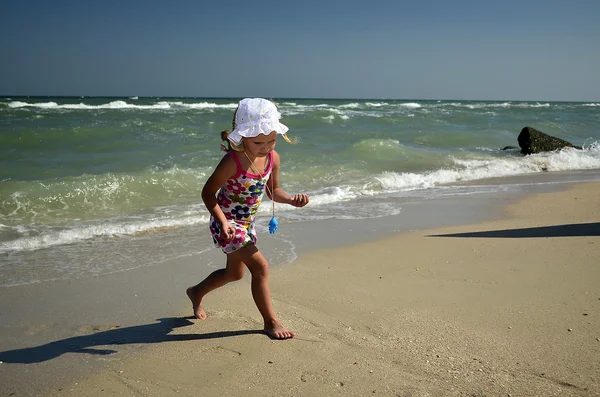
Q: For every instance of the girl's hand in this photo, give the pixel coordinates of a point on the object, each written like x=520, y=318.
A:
x=227, y=231
x=299, y=200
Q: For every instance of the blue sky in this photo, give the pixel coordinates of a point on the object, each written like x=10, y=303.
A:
x=426, y=49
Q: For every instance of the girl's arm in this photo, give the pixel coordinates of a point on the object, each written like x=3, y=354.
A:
x=224, y=170
x=279, y=195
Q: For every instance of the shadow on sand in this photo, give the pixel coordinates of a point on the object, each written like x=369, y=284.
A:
x=139, y=334
x=571, y=230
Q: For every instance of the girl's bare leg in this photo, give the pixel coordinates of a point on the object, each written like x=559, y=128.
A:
x=233, y=271
x=259, y=267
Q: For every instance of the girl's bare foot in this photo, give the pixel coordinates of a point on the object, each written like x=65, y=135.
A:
x=277, y=331
x=199, y=312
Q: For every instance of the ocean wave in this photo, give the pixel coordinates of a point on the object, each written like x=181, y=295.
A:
x=288, y=107
x=366, y=109
x=96, y=196
x=121, y=105
x=205, y=105
x=486, y=105
x=32, y=238
x=349, y=188
x=470, y=169
x=83, y=106
x=377, y=145
x=410, y=105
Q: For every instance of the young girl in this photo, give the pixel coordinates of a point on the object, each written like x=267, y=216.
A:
x=250, y=167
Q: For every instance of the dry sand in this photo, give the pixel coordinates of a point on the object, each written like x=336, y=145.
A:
x=504, y=307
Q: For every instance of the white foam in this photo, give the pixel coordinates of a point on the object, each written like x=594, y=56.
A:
x=410, y=105
x=483, y=168
x=318, y=198
x=123, y=105
x=72, y=235
x=207, y=105
x=82, y=106
x=532, y=105
x=343, y=114
x=334, y=194
x=485, y=105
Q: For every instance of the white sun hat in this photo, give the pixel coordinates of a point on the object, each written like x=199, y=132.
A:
x=255, y=116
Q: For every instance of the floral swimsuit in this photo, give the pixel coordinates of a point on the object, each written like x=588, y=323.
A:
x=239, y=199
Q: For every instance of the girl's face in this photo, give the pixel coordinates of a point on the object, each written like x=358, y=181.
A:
x=261, y=145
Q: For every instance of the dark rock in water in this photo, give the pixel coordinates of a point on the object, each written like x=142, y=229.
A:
x=509, y=147
x=534, y=141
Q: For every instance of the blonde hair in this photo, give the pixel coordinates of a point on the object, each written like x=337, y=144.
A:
x=240, y=148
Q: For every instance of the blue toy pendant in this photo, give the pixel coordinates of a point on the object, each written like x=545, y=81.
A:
x=273, y=222
x=273, y=225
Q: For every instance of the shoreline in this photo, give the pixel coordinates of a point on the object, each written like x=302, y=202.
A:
x=345, y=313
x=467, y=202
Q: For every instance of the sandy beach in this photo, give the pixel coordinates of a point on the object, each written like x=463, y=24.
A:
x=505, y=307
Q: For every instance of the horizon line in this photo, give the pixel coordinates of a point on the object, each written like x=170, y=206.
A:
x=288, y=98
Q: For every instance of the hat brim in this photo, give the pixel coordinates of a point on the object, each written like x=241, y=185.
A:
x=253, y=130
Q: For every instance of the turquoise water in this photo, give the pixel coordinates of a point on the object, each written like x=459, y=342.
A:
x=113, y=171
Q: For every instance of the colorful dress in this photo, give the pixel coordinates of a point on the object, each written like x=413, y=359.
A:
x=239, y=199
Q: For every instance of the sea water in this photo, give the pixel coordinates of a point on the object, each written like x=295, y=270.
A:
x=90, y=186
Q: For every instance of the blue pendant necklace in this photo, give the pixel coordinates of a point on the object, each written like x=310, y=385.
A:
x=273, y=224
